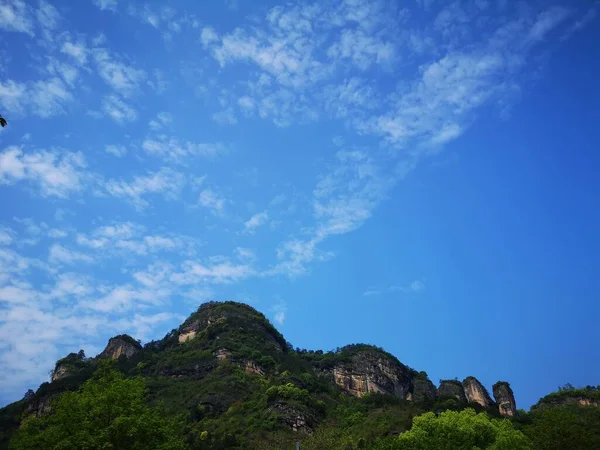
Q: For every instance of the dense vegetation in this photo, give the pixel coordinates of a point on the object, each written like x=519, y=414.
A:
x=237, y=384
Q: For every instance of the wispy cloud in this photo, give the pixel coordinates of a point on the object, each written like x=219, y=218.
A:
x=211, y=199
x=118, y=110
x=116, y=150
x=54, y=173
x=173, y=149
x=110, y=5
x=123, y=78
x=256, y=221
x=415, y=286
x=15, y=16
x=62, y=255
x=165, y=182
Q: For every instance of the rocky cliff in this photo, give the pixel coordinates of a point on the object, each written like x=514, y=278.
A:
x=505, y=399
x=476, y=393
x=122, y=345
x=372, y=371
x=227, y=365
x=423, y=390
x=452, y=389
x=212, y=320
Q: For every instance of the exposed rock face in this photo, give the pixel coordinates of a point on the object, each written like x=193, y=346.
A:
x=187, y=335
x=222, y=354
x=60, y=372
x=452, y=389
x=371, y=371
x=40, y=408
x=251, y=367
x=505, y=399
x=212, y=317
x=476, y=392
x=295, y=419
x=423, y=390
x=118, y=346
x=574, y=400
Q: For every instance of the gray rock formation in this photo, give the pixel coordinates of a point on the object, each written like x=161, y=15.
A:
x=505, y=399
x=122, y=345
x=423, y=390
x=372, y=371
x=452, y=389
x=476, y=392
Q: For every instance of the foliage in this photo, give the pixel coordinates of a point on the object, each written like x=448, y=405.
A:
x=126, y=338
x=217, y=404
x=564, y=428
x=570, y=392
x=107, y=412
x=453, y=430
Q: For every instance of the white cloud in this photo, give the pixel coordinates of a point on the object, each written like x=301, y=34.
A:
x=547, y=21
x=62, y=255
x=48, y=18
x=579, y=24
x=173, y=149
x=208, y=36
x=78, y=51
x=225, y=117
x=212, y=200
x=363, y=49
x=165, y=182
x=116, y=150
x=55, y=233
x=44, y=98
x=110, y=5
x=162, y=120
x=413, y=287
x=6, y=236
x=245, y=254
x=279, y=311
x=279, y=317
x=256, y=221
x=126, y=297
x=56, y=173
x=121, y=77
x=15, y=16
x=118, y=110
x=48, y=97
x=194, y=272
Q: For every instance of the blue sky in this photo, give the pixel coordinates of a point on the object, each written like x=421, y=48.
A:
x=418, y=175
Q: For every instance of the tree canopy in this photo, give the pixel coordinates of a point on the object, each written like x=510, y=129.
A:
x=453, y=430
x=108, y=412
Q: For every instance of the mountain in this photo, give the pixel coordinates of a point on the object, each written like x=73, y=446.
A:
x=233, y=381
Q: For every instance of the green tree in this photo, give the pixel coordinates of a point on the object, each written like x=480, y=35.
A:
x=108, y=412
x=462, y=430
x=564, y=428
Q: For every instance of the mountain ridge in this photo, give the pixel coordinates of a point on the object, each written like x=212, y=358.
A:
x=227, y=361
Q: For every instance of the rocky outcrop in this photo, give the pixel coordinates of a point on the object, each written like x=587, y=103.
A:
x=423, y=390
x=567, y=398
x=222, y=354
x=452, y=389
x=295, y=419
x=122, y=345
x=40, y=407
x=251, y=367
x=372, y=371
x=214, y=318
x=505, y=399
x=59, y=372
x=186, y=335
x=476, y=392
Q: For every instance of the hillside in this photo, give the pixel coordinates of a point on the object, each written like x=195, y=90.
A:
x=231, y=380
